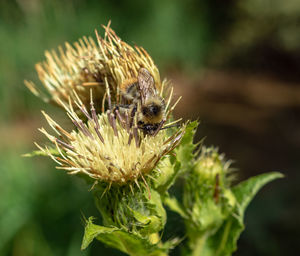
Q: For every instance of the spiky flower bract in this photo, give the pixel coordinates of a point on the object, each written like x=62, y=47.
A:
x=211, y=176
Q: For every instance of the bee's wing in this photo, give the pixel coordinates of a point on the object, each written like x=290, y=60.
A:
x=146, y=84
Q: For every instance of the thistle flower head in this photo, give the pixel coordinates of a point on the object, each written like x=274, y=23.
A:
x=207, y=190
x=109, y=147
x=87, y=64
x=211, y=164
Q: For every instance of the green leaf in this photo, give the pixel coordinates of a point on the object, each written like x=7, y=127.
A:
x=53, y=151
x=175, y=206
x=173, y=166
x=224, y=242
x=92, y=231
x=152, y=223
x=169, y=169
x=246, y=190
x=130, y=243
x=185, y=151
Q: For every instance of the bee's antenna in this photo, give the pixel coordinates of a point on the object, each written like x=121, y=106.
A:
x=132, y=114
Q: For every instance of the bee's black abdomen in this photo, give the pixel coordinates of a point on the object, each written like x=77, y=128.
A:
x=149, y=128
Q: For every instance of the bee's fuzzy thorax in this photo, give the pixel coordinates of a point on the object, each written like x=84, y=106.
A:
x=155, y=100
x=127, y=84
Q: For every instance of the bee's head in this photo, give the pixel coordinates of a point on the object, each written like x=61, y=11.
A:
x=151, y=110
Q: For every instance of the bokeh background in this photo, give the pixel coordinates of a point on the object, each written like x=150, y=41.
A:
x=237, y=65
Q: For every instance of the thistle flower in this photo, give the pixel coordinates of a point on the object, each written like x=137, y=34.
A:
x=112, y=149
x=109, y=147
x=208, y=190
x=87, y=65
x=211, y=167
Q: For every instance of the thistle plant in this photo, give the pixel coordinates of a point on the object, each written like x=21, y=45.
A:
x=129, y=170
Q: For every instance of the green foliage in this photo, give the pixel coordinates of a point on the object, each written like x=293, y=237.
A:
x=213, y=212
x=170, y=167
x=121, y=239
x=131, y=218
x=207, y=197
x=174, y=166
x=183, y=162
x=246, y=190
x=224, y=241
x=134, y=210
x=53, y=151
x=185, y=151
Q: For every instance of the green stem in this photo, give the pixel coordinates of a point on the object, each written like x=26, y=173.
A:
x=198, y=245
x=157, y=253
x=154, y=238
x=224, y=238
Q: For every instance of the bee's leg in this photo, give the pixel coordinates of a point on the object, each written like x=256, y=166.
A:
x=121, y=108
x=132, y=114
x=159, y=127
x=119, y=111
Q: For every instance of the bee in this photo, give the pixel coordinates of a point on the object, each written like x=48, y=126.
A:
x=144, y=102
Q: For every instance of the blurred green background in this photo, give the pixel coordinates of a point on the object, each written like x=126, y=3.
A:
x=237, y=65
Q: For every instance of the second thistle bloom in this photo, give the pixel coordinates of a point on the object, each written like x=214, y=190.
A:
x=208, y=191
x=88, y=64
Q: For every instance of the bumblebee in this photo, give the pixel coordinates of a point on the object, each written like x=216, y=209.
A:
x=144, y=102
